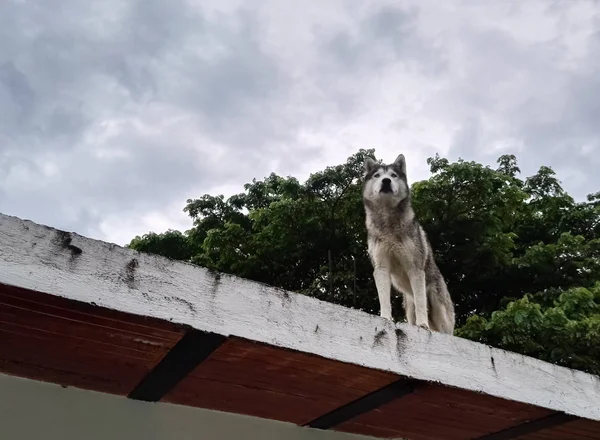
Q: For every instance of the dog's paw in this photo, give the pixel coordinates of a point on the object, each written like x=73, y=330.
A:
x=425, y=326
x=386, y=315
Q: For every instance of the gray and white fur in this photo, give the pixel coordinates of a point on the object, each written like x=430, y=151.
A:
x=400, y=251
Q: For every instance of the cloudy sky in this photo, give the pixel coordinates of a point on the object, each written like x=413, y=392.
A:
x=114, y=112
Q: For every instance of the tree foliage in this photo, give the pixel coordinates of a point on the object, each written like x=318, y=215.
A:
x=498, y=240
x=562, y=327
x=172, y=244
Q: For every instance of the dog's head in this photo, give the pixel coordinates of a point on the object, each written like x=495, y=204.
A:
x=385, y=183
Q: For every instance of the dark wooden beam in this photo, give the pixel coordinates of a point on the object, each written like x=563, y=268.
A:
x=364, y=404
x=530, y=427
x=193, y=348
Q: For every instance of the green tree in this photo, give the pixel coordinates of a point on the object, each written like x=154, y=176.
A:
x=304, y=237
x=496, y=237
x=469, y=213
x=172, y=244
x=558, y=326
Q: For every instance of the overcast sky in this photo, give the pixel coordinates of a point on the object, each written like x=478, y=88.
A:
x=114, y=112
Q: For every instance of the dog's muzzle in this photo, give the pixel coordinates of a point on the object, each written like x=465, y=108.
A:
x=386, y=186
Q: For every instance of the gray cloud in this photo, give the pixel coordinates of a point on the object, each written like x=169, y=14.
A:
x=532, y=99
x=83, y=91
x=384, y=36
x=113, y=112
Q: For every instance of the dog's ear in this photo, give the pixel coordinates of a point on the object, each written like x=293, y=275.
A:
x=369, y=165
x=400, y=162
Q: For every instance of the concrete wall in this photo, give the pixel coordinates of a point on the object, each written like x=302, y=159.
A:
x=32, y=410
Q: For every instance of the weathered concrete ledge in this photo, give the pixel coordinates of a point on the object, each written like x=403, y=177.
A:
x=68, y=265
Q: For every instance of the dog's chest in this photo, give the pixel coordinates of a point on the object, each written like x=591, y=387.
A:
x=396, y=249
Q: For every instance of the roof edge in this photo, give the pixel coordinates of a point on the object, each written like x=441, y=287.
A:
x=37, y=257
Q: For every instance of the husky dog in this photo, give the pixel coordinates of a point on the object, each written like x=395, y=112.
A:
x=400, y=251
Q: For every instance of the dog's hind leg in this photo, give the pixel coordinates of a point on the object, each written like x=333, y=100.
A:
x=417, y=284
x=441, y=310
x=440, y=319
x=383, y=282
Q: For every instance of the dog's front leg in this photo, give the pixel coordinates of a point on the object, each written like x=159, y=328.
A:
x=383, y=282
x=417, y=282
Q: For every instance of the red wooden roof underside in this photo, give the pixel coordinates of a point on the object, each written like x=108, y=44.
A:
x=47, y=338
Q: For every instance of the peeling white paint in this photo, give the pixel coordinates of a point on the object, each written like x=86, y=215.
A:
x=36, y=257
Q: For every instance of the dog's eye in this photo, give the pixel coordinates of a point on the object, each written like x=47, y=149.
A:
x=376, y=175
x=394, y=175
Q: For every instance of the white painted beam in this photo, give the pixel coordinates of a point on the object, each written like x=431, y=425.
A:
x=40, y=258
